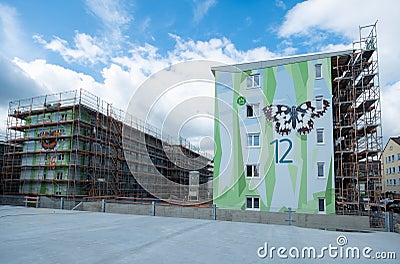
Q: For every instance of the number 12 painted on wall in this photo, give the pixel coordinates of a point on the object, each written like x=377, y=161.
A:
x=283, y=157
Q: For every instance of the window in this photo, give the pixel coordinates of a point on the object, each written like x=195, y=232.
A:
x=321, y=169
x=318, y=71
x=252, y=171
x=253, y=81
x=398, y=156
x=63, y=117
x=389, y=159
x=252, y=110
x=393, y=170
x=390, y=170
x=253, y=140
x=321, y=204
x=394, y=182
x=318, y=103
x=398, y=171
x=59, y=175
x=252, y=203
x=44, y=175
x=320, y=135
x=392, y=158
x=59, y=189
x=60, y=156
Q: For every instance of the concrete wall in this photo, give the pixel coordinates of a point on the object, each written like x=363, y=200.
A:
x=184, y=212
x=344, y=222
x=12, y=200
x=138, y=209
x=46, y=202
x=348, y=222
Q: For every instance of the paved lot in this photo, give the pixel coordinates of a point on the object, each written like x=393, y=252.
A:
x=29, y=235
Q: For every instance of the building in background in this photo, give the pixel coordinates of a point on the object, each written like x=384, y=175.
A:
x=10, y=169
x=2, y=151
x=391, y=168
x=301, y=132
x=73, y=144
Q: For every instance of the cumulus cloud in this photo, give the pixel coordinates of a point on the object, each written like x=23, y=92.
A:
x=89, y=49
x=86, y=49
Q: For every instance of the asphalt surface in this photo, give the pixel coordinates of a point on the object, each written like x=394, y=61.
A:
x=30, y=235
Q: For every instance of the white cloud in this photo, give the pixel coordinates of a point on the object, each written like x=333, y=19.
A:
x=318, y=18
x=112, y=14
x=333, y=15
x=222, y=50
x=13, y=40
x=336, y=47
x=85, y=50
x=343, y=18
x=9, y=25
x=57, y=78
x=390, y=110
x=91, y=49
x=201, y=9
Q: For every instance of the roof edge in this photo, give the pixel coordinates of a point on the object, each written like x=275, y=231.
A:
x=240, y=67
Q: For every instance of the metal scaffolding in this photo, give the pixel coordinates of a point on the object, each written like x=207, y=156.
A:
x=357, y=126
x=73, y=144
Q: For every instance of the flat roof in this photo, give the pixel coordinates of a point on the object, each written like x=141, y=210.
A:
x=278, y=61
x=30, y=235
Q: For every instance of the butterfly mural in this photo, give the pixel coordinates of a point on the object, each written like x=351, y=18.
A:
x=49, y=139
x=300, y=118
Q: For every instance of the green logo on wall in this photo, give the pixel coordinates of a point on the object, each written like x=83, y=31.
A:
x=241, y=100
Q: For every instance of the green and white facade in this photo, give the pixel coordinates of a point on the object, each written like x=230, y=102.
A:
x=257, y=168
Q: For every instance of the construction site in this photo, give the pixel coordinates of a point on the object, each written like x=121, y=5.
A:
x=357, y=126
x=72, y=144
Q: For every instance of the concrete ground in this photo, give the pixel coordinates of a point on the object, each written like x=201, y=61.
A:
x=30, y=235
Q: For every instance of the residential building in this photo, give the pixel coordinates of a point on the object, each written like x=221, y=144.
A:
x=390, y=160
x=301, y=132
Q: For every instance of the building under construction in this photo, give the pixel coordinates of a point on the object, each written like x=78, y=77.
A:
x=73, y=144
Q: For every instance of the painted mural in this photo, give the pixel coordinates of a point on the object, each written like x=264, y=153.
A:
x=44, y=156
x=273, y=135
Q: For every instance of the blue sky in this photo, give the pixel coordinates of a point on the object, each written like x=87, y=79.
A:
x=109, y=47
